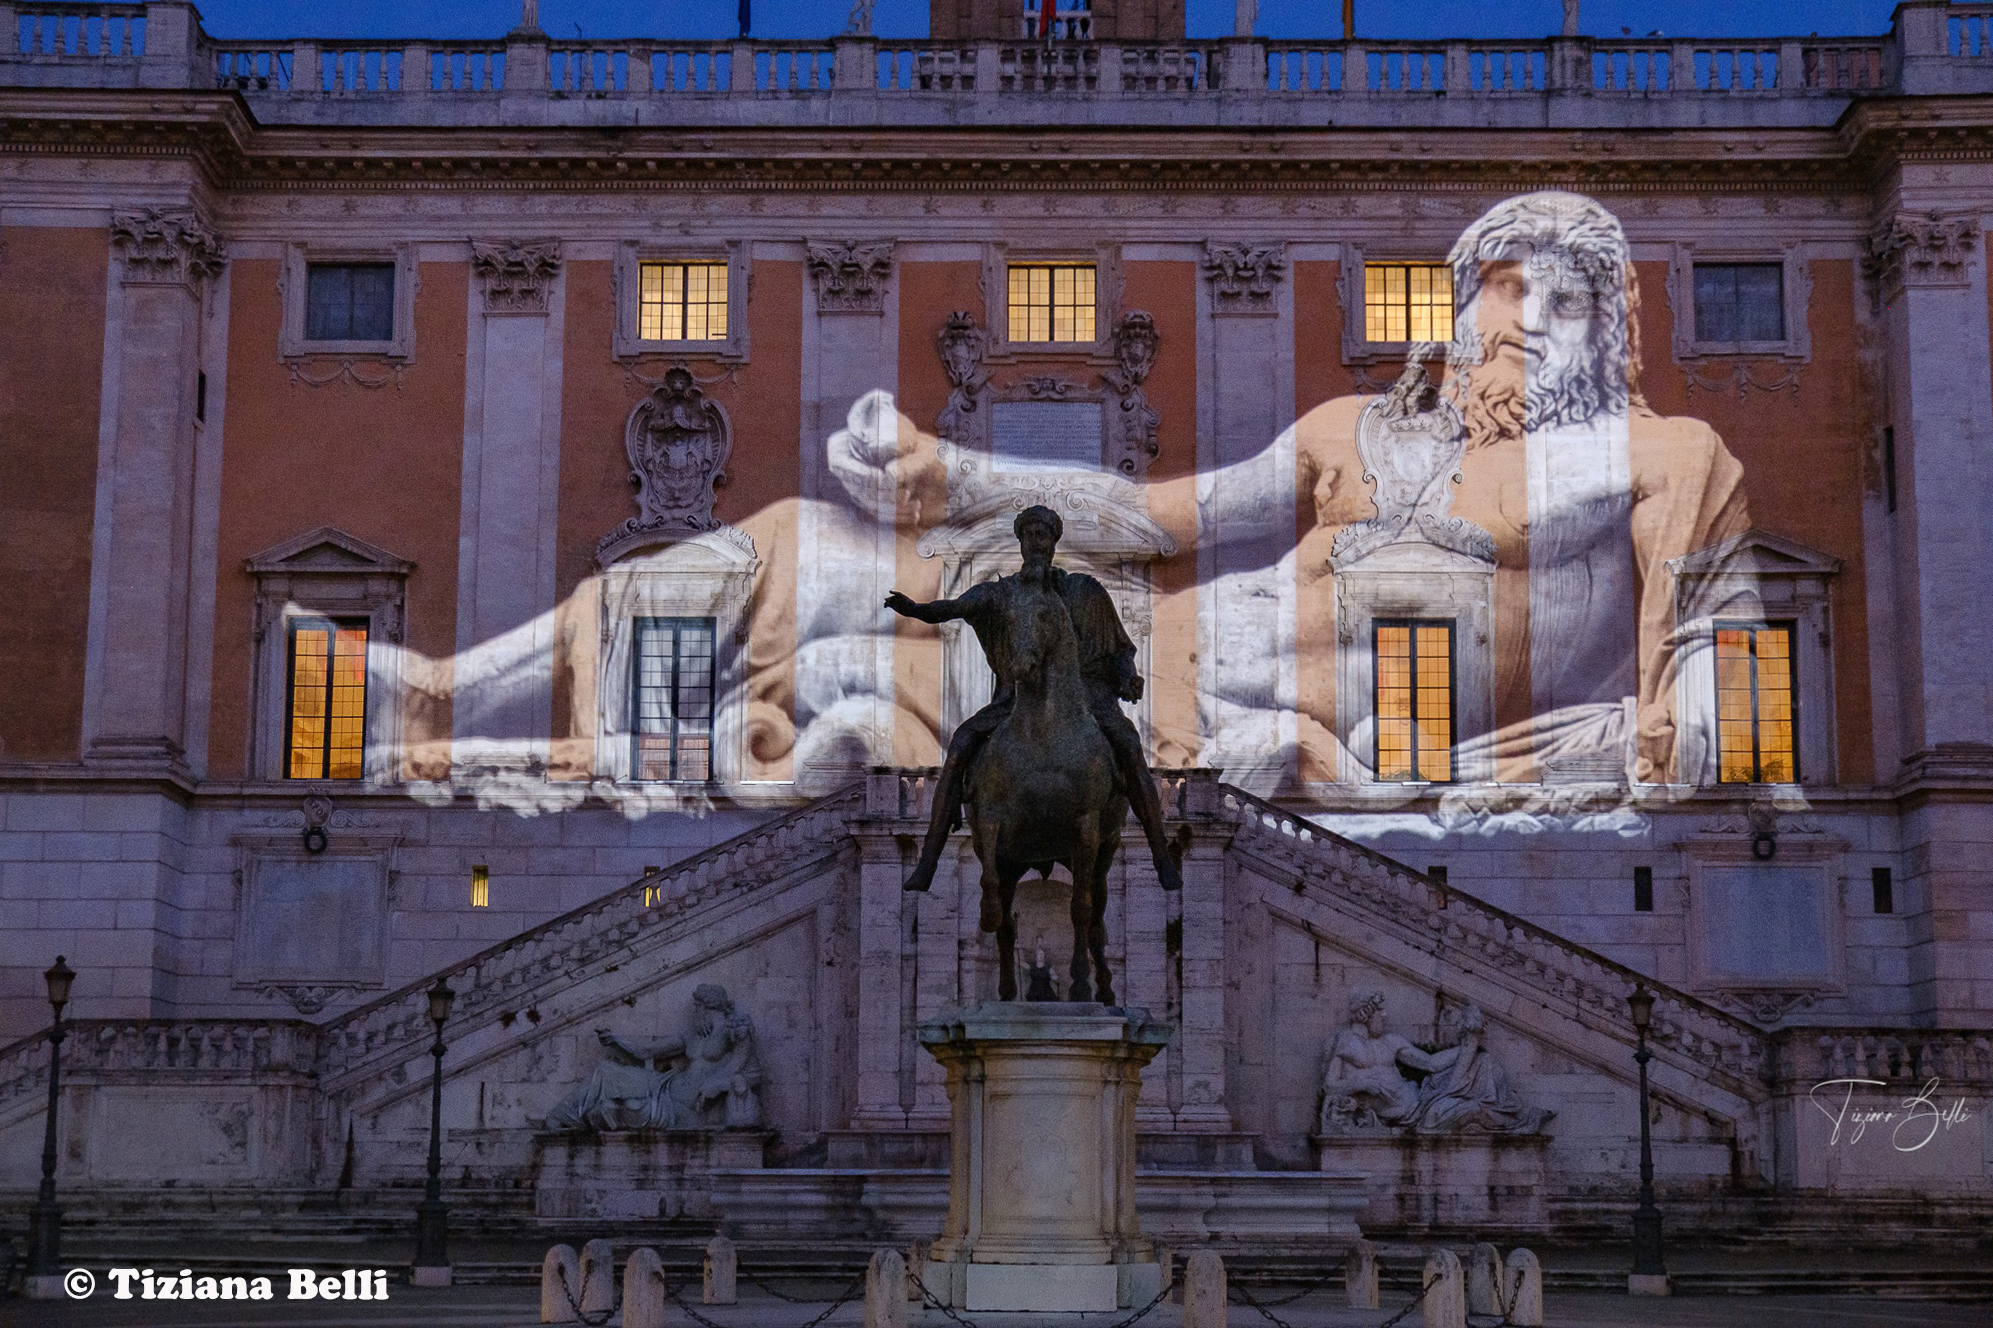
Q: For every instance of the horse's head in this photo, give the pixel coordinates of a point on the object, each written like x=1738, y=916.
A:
x=1042, y=644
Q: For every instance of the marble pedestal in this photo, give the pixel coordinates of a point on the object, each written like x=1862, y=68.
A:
x=1041, y=1181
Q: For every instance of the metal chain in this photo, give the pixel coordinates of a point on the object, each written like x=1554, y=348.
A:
x=604, y=1316
x=1307, y=1290
x=752, y=1280
x=1264, y=1312
x=1400, y=1315
x=851, y=1288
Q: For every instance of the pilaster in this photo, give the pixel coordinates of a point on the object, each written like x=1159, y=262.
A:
x=503, y=708
x=881, y=1030
x=136, y=687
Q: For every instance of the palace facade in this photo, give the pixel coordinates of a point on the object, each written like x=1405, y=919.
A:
x=451, y=487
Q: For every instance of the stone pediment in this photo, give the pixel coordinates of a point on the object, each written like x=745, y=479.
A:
x=1756, y=553
x=327, y=551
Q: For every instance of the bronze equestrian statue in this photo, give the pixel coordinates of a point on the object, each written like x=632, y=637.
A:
x=1052, y=764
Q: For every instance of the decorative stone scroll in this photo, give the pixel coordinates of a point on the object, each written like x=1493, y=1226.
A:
x=165, y=247
x=1922, y=249
x=851, y=277
x=1243, y=276
x=1135, y=344
x=962, y=346
x=678, y=442
x=708, y=1077
x=1411, y=442
x=517, y=274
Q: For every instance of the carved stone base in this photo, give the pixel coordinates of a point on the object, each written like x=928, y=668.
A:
x=1425, y=1182
x=1041, y=1192
x=638, y=1173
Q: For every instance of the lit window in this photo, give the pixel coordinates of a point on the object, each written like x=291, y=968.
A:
x=325, y=719
x=1407, y=302
x=1739, y=302
x=1754, y=704
x=683, y=302
x=673, y=724
x=1414, y=700
x=480, y=887
x=1051, y=303
x=349, y=302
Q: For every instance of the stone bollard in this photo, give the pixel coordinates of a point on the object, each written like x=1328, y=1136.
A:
x=560, y=1285
x=598, y=1277
x=643, y=1290
x=1524, y=1285
x=886, y=1290
x=1166, y=1257
x=1485, y=1293
x=1360, y=1276
x=1446, y=1298
x=1204, y=1290
x=721, y=1266
x=917, y=1269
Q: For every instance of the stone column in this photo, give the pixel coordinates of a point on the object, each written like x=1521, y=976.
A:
x=503, y=704
x=135, y=710
x=1930, y=272
x=1245, y=498
x=879, y=1023
x=845, y=563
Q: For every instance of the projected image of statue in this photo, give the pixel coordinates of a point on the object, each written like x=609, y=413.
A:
x=1051, y=766
x=1586, y=490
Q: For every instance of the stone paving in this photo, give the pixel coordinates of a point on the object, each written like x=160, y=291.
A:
x=503, y=1307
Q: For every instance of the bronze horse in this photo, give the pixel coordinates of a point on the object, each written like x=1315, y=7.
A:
x=1042, y=790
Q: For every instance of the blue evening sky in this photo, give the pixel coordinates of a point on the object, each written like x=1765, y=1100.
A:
x=709, y=19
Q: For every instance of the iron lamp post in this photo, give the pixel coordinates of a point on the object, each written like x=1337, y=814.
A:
x=432, y=1216
x=44, y=1217
x=1650, y=1274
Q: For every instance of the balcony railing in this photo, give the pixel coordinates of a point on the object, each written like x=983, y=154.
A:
x=1933, y=48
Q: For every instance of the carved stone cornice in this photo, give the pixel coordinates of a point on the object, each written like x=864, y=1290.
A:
x=1920, y=250
x=516, y=274
x=161, y=247
x=1243, y=275
x=850, y=276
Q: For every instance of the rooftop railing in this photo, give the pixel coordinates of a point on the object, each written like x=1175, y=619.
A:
x=1932, y=47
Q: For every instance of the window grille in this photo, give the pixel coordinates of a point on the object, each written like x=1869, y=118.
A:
x=1407, y=302
x=672, y=726
x=1414, y=702
x=1052, y=302
x=1739, y=302
x=325, y=717
x=682, y=302
x=1755, y=705
x=349, y=302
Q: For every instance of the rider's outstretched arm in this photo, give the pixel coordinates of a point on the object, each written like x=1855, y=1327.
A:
x=934, y=611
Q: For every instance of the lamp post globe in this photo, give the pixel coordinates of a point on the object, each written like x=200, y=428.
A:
x=44, y=1217
x=432, y=1216
x=1650, y=1272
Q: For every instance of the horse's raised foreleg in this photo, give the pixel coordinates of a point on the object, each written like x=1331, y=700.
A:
x=1006, y=934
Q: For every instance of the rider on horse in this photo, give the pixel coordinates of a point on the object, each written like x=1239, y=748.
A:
x=1107, y=666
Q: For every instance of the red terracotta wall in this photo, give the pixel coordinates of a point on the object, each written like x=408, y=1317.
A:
x=381, y=463
x=762, y=400
x=52, y=283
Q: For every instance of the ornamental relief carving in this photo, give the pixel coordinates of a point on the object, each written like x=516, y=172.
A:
x=164, y=247
x=1243, y=276
x=962, y=346
x=678, y=442
x=1922, y=249
x=1136, y=342
x=516, y=274
x=850, y=276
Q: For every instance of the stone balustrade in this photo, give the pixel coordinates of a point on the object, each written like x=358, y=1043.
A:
x=1933, y=48
x=397, y=1025
x=93, y=1050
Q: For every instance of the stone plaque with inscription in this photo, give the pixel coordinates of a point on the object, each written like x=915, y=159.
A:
x=1045, y=435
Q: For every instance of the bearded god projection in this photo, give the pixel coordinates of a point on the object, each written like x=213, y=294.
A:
x=1584, y=492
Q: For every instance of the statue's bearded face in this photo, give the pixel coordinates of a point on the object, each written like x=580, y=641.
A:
x=1036, y=542
x=1546, y=349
